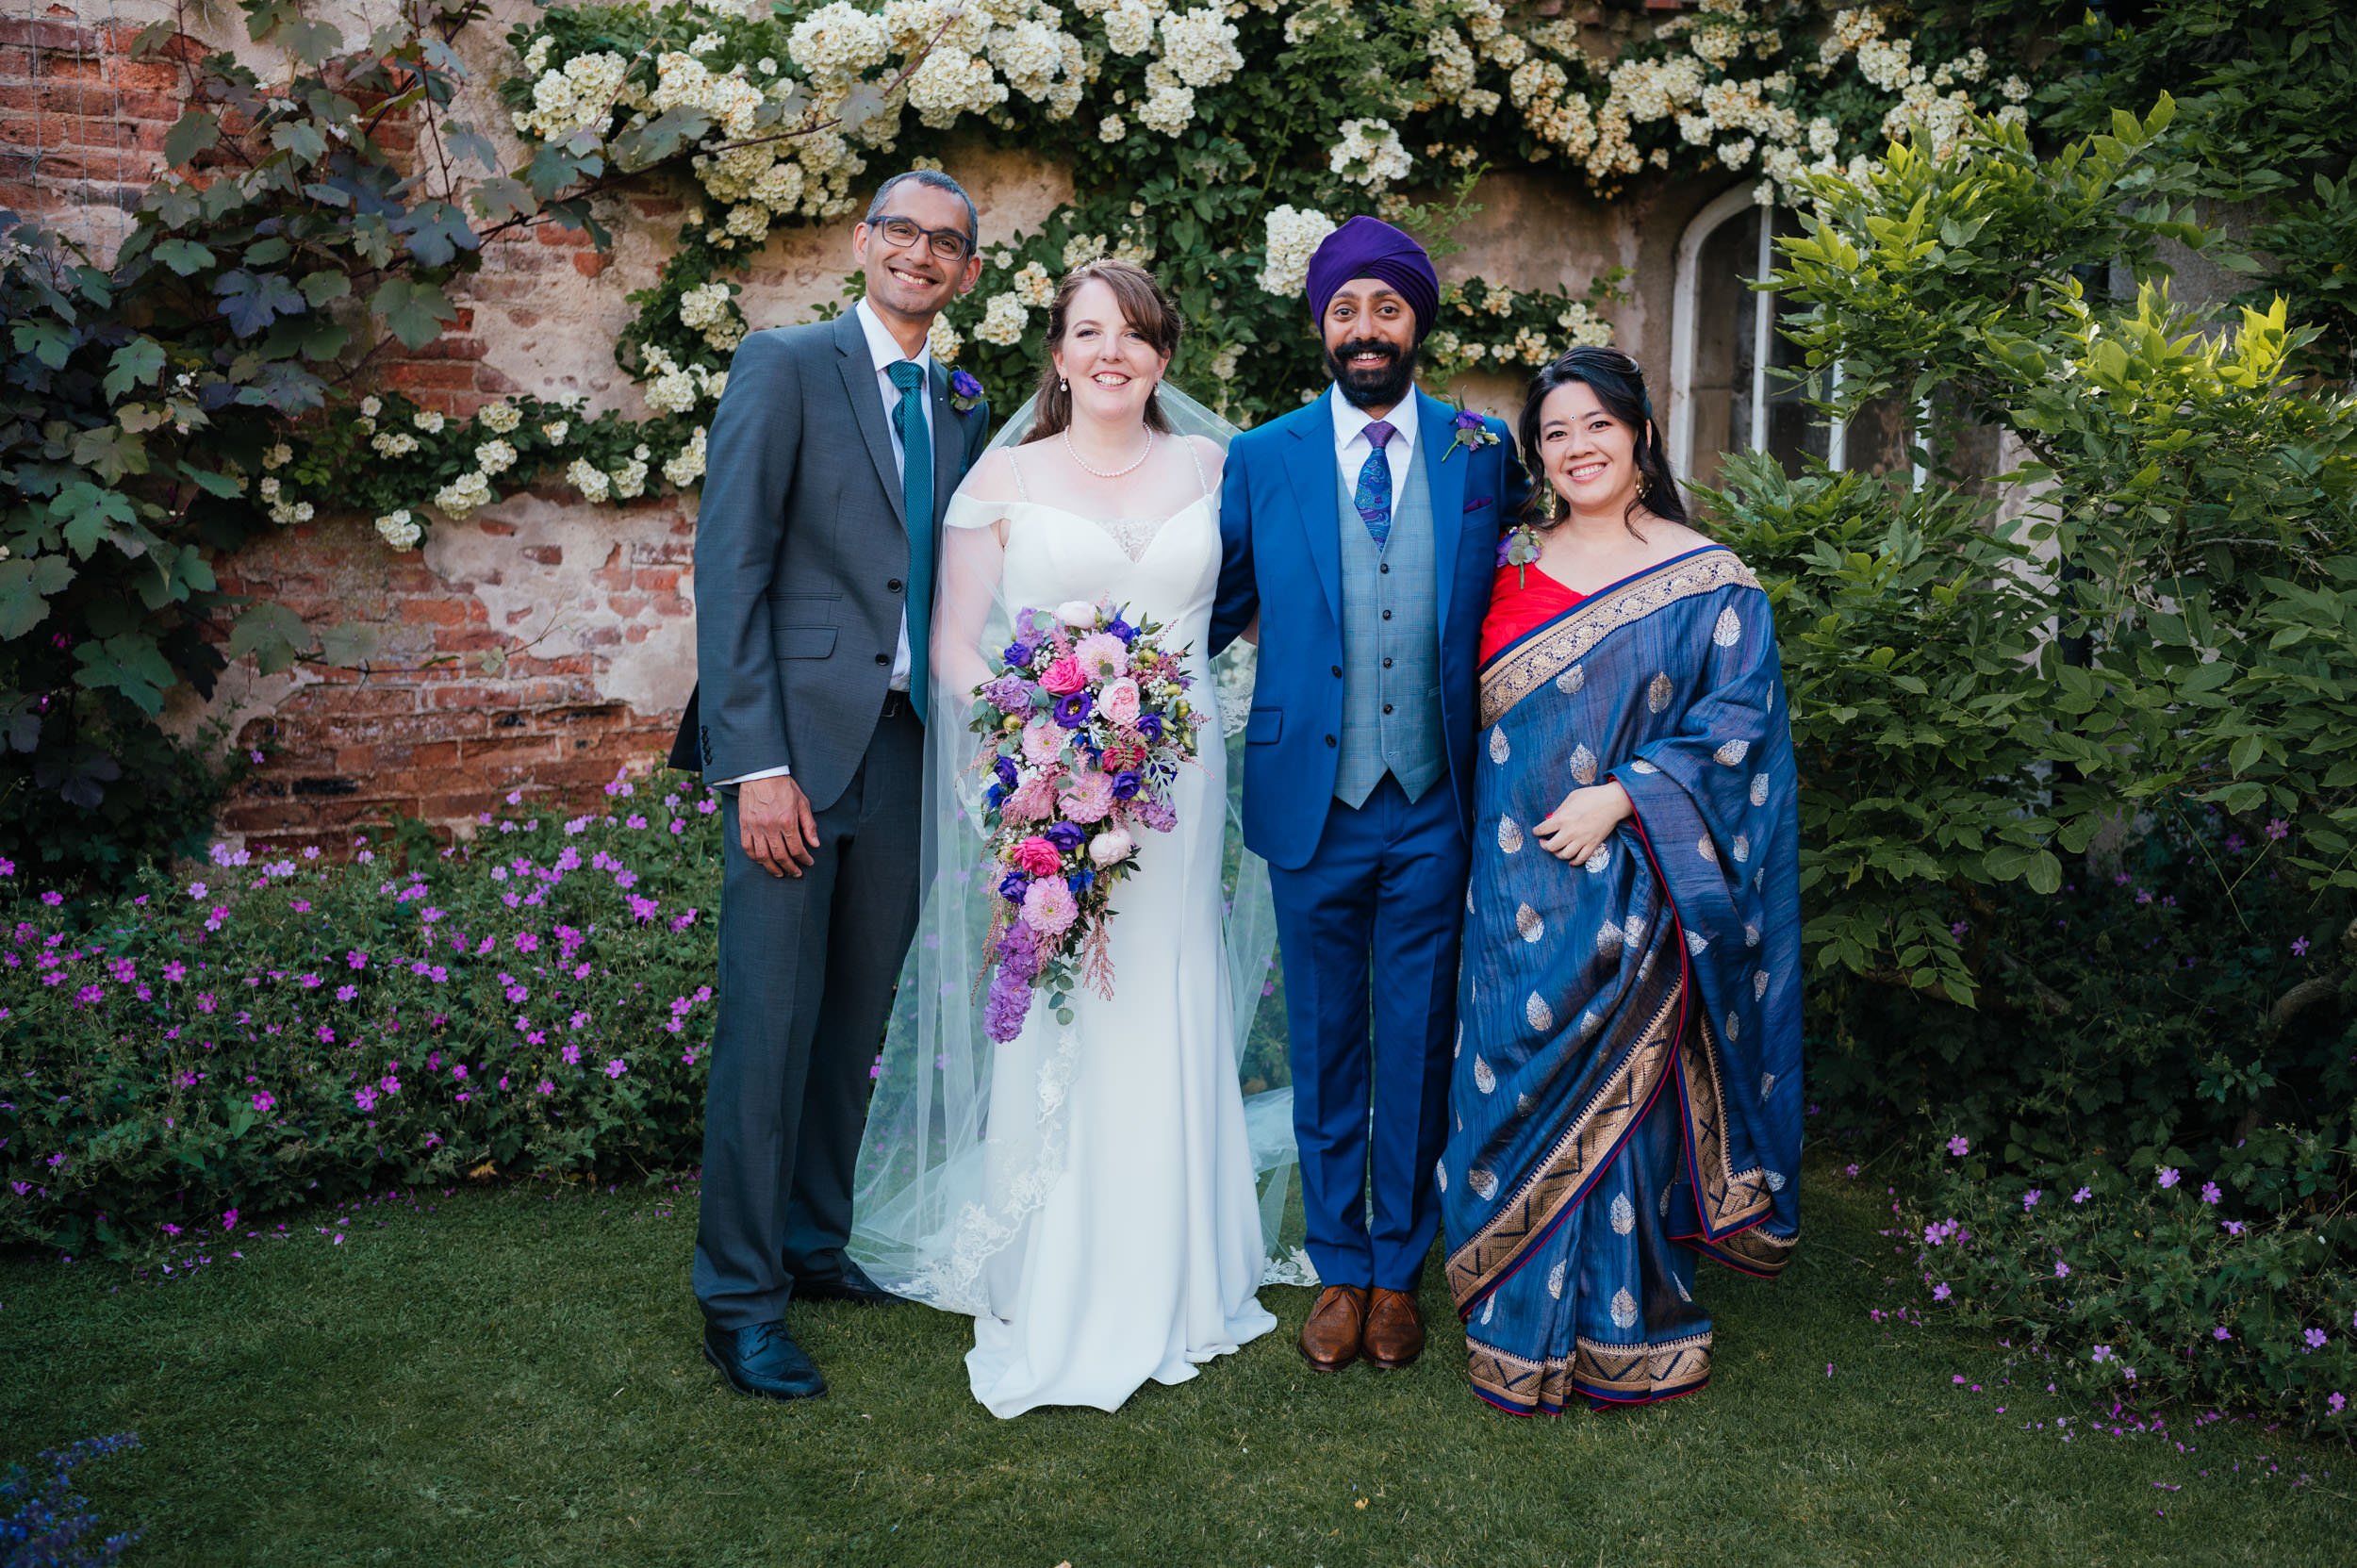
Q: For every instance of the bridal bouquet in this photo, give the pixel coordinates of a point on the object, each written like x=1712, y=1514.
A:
x=1084, y=724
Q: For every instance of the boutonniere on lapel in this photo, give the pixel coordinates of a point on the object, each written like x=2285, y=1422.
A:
x=1471, y=431
x=964, y=391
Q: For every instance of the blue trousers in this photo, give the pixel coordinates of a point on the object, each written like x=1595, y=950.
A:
x=1386, y=887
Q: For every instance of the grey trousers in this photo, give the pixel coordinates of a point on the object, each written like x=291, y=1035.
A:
x=807, y=969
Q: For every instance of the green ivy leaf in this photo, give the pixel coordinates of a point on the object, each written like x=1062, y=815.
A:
x=193, y=133
x=437, y=232
x=250, y=301
x=272, y=634
x=184, y=257
x=91, y=515
x=413, y=312
x=136, y=363
x=26, y=586
x=300, y=138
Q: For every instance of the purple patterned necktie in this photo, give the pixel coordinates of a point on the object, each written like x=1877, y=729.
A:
x=1373, y=495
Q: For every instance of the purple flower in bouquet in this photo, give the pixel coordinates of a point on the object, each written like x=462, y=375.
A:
x=1073, y=711
x=1011, y=886
x=1008, y=694
x=1122, y=629
x=1126, y=784
x=1009, y=1001
x=1156, y=814
x=1016, y=655
x=1066, y=836
x=1150, y=726
x=1005, y=768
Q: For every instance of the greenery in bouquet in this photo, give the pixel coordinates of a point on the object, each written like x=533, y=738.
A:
x=1086, y=723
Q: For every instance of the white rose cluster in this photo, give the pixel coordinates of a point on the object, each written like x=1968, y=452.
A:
x=674, y=388
x=688, y=466
x=1293, y=236
x=283, y=511
x=711, y=309
x=1003, y=320
x=500, y=418
x=397, y=529
x=579, y=95
x=588, y=479
x=464, y=494
x=1369, y=153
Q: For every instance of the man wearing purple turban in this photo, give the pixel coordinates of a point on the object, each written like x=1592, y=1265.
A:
x=1359, y=532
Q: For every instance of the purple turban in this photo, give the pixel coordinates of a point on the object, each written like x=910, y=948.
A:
x=1369, y=247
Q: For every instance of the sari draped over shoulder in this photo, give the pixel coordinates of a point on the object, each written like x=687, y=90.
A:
x=1626, y=1094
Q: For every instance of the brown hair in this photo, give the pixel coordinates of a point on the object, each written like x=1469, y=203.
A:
x=1143, y=305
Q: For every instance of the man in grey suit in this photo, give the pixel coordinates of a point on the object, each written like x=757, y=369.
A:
x=832, y=456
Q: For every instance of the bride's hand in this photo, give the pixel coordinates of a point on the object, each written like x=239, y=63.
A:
x=1586, y=819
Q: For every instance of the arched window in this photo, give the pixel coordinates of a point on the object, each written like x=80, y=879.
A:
x=1726, y=392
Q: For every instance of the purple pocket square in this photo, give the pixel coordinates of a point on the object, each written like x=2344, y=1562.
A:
x=1478, y=502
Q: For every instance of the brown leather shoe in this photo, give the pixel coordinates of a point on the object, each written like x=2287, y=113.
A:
x=1330, y=1339
x=1394, y=1333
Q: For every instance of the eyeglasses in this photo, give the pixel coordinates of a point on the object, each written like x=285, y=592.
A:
x=900, y=233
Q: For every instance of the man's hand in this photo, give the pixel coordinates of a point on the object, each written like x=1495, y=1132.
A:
x=1584, y=820
x=775, y=826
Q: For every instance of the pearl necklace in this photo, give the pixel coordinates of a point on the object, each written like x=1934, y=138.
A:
x=1075, y=453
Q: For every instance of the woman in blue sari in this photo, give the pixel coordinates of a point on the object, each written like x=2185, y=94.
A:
x=1626, y=1095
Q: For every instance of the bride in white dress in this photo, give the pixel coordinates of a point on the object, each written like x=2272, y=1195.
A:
x=1088, y=1192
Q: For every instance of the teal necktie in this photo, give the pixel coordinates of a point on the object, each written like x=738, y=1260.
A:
x=916, y=500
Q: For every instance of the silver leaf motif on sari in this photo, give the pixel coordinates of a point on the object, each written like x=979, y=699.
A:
x=1658, y=691
x=1484, y=1080
x=1571, y=681
x=1760, y=789
x=1554, y=1279
x=1624, y=1215
x=1642, y=765
x=1624, y=1308
x=1684, y=1294
x=1705, y=849
x=1538, y=1014
x=1523, y=1105
x=1730, y=628
x=1583, y=765
x=1490, y=1308
x=1499, y=748
x=1759, y=982
x=1751, y=935
x=1664, y=1204
x=1735, y=1026
x=1733, y=753
x=1609, y=939
x=1775, y=1180
x=1509, y=834
x=1439, y=1174
x=1588, y=1024
x=1483, y=1182
x=1633, y=929
x=1696, y=942
x=1767, y=1084
x=1741, y=848
x=1528, y=922
x=1597, y=862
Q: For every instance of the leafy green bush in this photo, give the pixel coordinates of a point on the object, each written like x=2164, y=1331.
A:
x=2149, y=1279
x=278, y=1030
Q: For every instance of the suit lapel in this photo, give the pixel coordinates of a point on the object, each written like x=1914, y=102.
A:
x=1313, y=477
x=859, y=384
x=948, y=443
x=1445, y=483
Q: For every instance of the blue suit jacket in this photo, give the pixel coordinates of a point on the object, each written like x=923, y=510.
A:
x=1282, y=556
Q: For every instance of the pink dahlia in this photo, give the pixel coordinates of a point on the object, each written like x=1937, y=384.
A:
x=1033, y=799
x=1088, y=796
x=1101, y=656
x=1048, y=907
x=1043, y=740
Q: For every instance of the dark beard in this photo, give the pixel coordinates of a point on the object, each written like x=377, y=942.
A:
x=1382, y=387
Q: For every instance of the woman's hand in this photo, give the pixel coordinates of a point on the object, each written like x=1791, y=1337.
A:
x=1585, y=819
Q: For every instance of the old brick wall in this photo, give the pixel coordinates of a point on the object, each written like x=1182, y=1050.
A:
x=540, y=646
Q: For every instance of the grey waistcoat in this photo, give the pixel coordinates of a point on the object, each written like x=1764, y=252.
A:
x=1390, y=667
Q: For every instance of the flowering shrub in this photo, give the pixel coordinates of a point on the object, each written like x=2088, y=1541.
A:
x=49, y=1526
x=2149, y=1282
x=275, y=1031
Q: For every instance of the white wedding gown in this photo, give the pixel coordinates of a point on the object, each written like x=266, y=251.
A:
x=1118, y=1236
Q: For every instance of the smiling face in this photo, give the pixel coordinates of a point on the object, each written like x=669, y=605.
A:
x=1113, y=365
x=909, y=281
x=1370, y=334
x=1588, y=456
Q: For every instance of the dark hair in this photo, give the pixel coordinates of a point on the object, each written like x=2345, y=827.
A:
x=1620, y=386
x=1143, y=305
x=934, y=179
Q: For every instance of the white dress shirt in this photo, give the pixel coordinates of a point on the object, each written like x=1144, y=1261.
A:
x=1351, y=445
x=885, y=350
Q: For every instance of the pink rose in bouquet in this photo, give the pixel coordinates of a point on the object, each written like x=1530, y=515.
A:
x=1120, y=703
x=1036, y=857
x=1063, y=677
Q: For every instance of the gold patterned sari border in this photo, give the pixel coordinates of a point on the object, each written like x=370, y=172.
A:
x=1728, y=1197
x=1532, y=1208
x=1654, y=1370
x=1522, y=671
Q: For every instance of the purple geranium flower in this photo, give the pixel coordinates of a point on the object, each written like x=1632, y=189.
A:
x=1073, y=711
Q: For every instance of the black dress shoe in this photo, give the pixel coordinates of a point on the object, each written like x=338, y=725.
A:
x=852, y=1284
x=763, y=1360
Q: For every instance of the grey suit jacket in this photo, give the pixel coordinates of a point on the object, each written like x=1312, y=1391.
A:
x=802, y=554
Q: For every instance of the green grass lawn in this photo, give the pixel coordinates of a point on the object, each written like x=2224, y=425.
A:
x=512, y=1377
